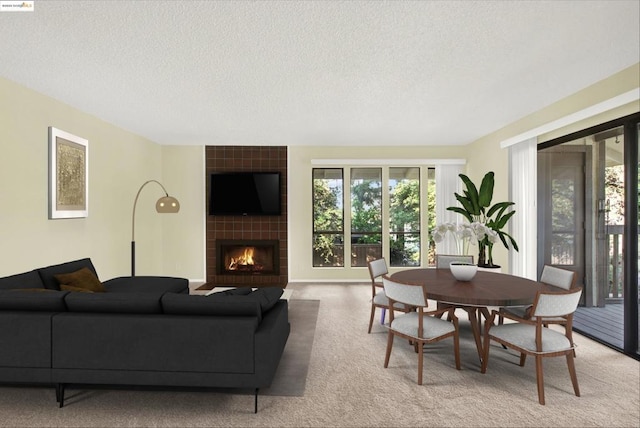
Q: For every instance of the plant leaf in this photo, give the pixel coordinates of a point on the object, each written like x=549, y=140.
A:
x=471, y=192
x=486, y=190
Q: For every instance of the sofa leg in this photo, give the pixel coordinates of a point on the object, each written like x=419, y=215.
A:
x=60, y=394
x=255, y=408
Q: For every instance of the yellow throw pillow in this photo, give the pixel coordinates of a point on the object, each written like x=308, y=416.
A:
x=83, y=278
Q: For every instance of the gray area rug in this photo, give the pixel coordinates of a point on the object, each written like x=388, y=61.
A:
x=291, y=376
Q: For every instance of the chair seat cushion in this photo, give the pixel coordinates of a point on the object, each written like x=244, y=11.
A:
x=524, y=337
x=432, y=327
x=381, y=299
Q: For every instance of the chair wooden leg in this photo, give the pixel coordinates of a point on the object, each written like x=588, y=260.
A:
x=540, y=378
x=389, y=346
x=572, y=373
x=523, y=359
x=373, y=313
x=420, y=363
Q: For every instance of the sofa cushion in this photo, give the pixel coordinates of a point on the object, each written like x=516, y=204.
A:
x=147, y=284
x=83, y=279
x=184, y=304
x=240, y=291
x=47, y=273
x=21, y=280
x=266, y=297
x=21, y=300
x=130, y=303
x=65, y=287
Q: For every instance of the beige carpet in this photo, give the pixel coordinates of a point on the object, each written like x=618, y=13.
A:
x=346, y=385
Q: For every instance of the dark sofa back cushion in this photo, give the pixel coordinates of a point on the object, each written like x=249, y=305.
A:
x=47, y=273
x=21, y=280
x=24, y=300
x=124, y=303
x=183, y=304
x=266, y=297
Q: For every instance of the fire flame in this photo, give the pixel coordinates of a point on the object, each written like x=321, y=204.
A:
x=245, y=259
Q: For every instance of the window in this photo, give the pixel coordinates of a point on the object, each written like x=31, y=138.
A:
x=404, y=216
x=328, y=217
x=382, y=212
x=366, y=215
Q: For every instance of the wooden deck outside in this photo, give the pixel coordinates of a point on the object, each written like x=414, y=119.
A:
x=602, y=324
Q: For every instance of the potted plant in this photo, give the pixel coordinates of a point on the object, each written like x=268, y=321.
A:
x=477, y=209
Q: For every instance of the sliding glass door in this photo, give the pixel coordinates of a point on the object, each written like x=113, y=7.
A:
x=588, y=222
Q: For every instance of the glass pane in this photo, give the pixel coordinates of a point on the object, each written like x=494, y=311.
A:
x=405, y=249
x=563, y=207
x=404, y=216
x=328, y=217
x=614, y=215
x=328, y=250
x=431, y=214
x=365, y=247
x=366, y=214
x=562, y=249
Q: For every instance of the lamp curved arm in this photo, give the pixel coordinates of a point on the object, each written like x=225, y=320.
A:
x=166, y=204
x=135, y=202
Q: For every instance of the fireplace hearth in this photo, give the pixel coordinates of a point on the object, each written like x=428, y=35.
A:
x=247, y=257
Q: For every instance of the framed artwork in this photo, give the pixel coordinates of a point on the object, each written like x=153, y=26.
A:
x=68, y=175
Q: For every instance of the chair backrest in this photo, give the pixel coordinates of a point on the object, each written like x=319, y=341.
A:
x=377, y=268
x=562, y=278
x=556, y=304
x=407, y=293
x=444, y=260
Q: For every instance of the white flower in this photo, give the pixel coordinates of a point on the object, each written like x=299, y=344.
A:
x=465, y=234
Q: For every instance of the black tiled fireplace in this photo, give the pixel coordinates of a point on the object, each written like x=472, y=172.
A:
x=247, y=257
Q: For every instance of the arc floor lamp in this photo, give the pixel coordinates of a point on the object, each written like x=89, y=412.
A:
x=166, y=204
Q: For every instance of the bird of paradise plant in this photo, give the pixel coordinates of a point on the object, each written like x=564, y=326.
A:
x=476, y=208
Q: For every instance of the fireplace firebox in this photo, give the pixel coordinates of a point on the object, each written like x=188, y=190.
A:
x=247, y=257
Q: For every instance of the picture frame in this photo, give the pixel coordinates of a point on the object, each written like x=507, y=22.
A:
x=68, y=175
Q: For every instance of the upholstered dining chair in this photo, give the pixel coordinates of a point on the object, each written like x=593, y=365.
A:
x=561, y=278
x=531, y=337
x=378, y=268
x=420, y=327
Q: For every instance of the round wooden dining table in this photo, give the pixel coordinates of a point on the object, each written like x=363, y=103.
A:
x=485, y=289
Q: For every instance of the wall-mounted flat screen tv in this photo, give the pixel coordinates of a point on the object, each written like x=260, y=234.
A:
x=244, y=193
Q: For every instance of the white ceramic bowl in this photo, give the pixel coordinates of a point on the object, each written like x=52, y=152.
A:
x=463, y=271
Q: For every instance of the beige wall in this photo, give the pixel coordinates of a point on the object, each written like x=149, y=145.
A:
x=174, y=244
x=119, y=162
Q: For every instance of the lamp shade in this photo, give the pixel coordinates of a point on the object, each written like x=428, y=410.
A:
x=167, y=204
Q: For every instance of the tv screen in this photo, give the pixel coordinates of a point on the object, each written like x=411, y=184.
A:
x=244, y=193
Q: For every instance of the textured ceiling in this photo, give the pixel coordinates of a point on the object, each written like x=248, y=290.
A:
x=316, y=72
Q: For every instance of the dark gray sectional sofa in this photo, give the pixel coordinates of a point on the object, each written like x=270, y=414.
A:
x=139, y=331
